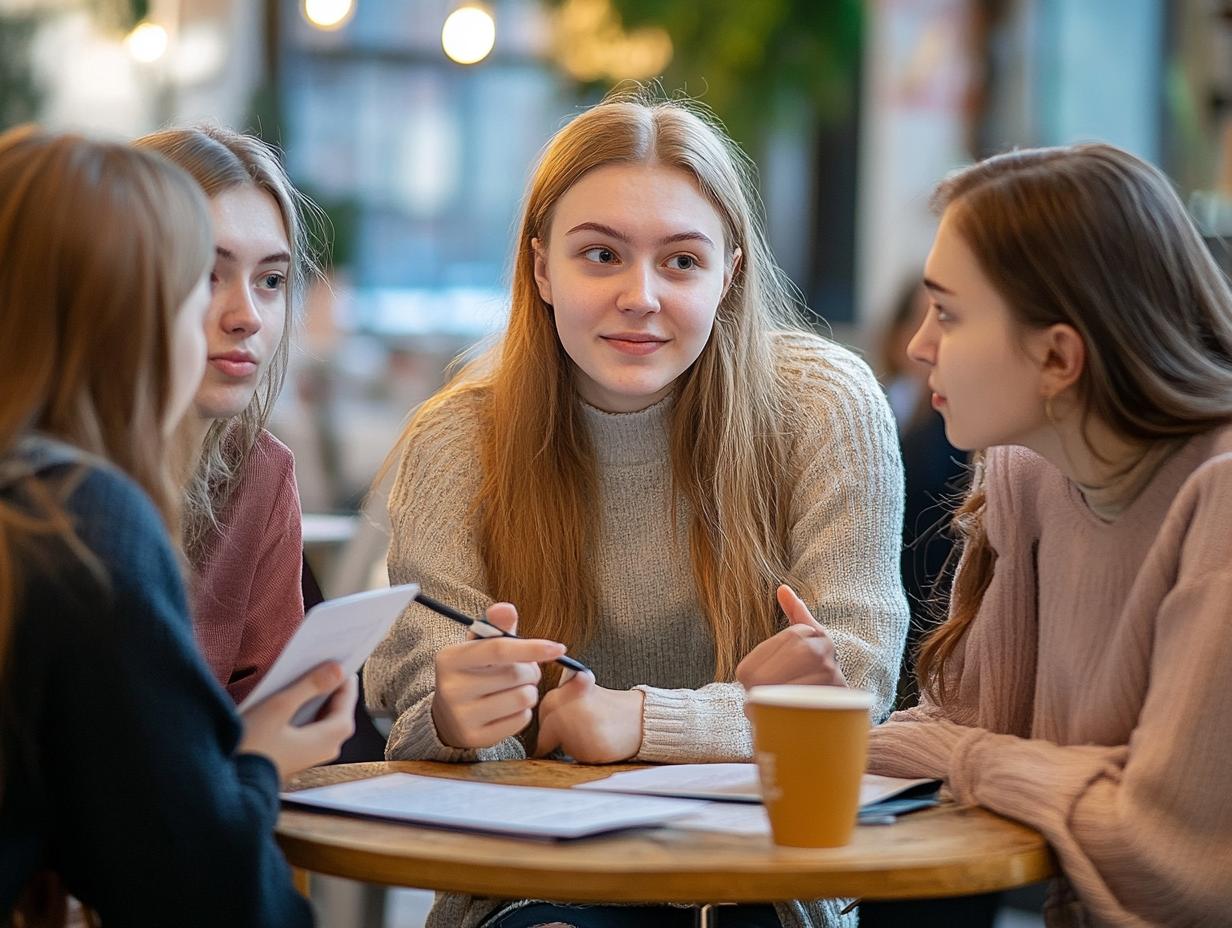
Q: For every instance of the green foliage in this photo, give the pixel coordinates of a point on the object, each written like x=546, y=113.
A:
x=20, y=94
x=751, y=61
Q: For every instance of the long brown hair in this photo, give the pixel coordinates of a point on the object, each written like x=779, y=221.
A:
x=1093, y=237
x=729, y=441
x=102, y=245
x=221, y=159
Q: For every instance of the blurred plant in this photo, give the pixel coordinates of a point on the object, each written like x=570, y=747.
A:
x=754, y=63
x=20, y=93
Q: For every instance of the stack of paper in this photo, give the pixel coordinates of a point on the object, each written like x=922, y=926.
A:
x=511, y=810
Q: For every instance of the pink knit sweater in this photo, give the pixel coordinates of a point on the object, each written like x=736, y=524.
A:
x=247, y=597
x=1089, y=690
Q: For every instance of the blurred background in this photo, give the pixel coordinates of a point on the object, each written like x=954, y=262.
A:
x=414, y=123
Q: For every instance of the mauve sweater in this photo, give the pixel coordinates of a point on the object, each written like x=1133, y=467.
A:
x=247, y=598
x=1088, y=692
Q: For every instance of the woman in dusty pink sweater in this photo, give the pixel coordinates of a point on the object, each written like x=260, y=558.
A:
x=242, y=523
x=1080, y=331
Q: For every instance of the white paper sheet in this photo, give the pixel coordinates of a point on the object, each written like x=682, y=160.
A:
x=513, y=810
x=343, y=630
x=727, y=782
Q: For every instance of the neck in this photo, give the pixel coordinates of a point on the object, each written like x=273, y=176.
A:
x=1110, y=469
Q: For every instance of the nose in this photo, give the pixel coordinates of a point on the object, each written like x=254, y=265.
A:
x=638, y=293
x=923, y=345
x=239, y=314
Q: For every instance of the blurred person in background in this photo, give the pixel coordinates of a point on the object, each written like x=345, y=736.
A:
x=934, y=471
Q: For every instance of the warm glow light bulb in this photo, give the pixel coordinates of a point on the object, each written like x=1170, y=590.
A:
x=469, y=34
x=328, y=14
x=147, y=42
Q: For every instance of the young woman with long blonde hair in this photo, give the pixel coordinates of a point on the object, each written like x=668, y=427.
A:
x=650, y=453
x=126, y=778
x=242, y=523
x=1081, y=333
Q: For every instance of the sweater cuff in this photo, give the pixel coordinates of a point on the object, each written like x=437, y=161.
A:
x=915, y=749
x=414, y=737
x=258, y=772
x=1020, y=778
x=694, y=726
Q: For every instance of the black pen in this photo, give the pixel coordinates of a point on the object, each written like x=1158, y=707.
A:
x=485, y=629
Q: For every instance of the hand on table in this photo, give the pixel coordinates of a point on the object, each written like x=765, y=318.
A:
x=590, y=723
x=269, y=731
x=486, y=688
x=800, y=653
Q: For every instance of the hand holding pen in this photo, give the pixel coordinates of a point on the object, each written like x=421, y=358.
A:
x=487, y=687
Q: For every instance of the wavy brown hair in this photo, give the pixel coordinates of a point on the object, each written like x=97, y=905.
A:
x=537, y=522
x=221, y=159
x=102, y=245
x=1095, y=238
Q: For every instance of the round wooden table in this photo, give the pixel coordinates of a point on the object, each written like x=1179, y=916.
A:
x=947, y=851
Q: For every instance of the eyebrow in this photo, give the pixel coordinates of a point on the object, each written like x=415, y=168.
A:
x=933, y=285
x=278, y=257
x=690, y=236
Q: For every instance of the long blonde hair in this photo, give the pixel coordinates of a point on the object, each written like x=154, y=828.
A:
x=730, y=444
x=102, y=245
x=219, y=160
x=1093, y=237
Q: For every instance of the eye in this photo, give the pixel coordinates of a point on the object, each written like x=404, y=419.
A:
x=943, y=314
x=600, y=255
x=683, y=262
x=272, y=281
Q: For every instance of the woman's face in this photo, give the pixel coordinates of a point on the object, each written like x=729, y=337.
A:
x=634, y=266
x=187, y=353
x=984, y=371
x=248, y=308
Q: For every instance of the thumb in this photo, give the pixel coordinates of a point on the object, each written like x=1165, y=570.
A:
x=793, y=607
x=504, y=616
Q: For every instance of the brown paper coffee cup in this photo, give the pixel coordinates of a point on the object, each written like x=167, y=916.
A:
x=811, y=744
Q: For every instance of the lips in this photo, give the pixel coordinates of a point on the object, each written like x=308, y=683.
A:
x=635, y=343
x=238, y=364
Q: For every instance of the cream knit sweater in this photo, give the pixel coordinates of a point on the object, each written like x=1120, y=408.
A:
x=846, y=513
x=1089, y=689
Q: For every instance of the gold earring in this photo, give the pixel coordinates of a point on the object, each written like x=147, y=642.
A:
x=1048, y=413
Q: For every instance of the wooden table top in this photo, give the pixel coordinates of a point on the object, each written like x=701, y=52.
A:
x=946, y=851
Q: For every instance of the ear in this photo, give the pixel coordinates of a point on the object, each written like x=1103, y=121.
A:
x=730, y=274
x=541, y=270
x=1062, y=357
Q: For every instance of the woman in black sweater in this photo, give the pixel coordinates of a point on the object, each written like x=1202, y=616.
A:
x=126, y=778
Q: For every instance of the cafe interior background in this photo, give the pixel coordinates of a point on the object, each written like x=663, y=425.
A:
x=413, y=124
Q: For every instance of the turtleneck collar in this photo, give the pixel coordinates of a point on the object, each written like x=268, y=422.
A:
x=630, y=437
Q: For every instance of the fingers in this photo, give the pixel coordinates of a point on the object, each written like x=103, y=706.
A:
x=794, y=608
x=504, y=616
x=336, y=722
x=322, y=679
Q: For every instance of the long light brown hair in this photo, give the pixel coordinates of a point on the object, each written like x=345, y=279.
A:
x=219, y=160
x=1093, y=237
x=729, y=442
x=101, y=246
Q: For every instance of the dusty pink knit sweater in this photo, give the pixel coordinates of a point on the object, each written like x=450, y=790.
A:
x=247, y=597
x=1091, y=689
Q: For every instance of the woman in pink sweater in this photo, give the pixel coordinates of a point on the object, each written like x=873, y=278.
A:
x=1080, y=331
x=242, y=522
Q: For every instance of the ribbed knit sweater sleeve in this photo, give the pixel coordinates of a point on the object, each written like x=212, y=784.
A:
x=1141, y=828
x=432, y=543
x=846, y=516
